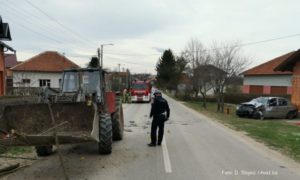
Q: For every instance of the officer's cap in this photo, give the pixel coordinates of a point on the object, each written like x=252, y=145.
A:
x=157, y=92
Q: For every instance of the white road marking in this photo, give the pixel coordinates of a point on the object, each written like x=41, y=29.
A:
x=166, y=157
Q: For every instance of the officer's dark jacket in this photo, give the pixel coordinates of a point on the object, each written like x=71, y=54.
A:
x=159, y=106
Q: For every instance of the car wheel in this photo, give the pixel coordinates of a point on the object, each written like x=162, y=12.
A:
x=259, y=115
x=291, y=115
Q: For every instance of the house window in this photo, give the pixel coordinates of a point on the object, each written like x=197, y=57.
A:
x=44, y=82
x=59, y=83
x=26, y=81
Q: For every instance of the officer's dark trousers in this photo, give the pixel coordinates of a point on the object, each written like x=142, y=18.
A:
x=157, y=123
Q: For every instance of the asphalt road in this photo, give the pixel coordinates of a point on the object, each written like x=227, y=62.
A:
x=194, y=148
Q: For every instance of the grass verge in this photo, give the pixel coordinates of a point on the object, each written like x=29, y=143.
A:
x=18, y=150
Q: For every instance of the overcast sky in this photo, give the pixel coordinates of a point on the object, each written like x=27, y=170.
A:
x=141, y=29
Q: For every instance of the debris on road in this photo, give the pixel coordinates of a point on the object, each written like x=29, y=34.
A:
x=133, y=125
x=128, y=130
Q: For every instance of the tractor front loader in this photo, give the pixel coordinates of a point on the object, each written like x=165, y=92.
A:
x=84, y=110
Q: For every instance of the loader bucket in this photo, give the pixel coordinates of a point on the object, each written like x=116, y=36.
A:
x=73, y=121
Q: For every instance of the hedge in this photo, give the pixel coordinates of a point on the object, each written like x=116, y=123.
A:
x=231, y=98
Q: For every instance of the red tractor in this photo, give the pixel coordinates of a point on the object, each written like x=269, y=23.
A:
x=85, y=110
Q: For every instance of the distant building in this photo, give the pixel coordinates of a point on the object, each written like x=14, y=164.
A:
x=10, y=61
x=292, y=65
x=4, y=36
x=120, y=80
x=44, y=69
x=263, y=79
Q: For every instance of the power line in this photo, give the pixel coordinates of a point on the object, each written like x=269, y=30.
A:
x=33, y=31
x=27, y=16
x=25, y=20
x=249, y=43
x=81, y=38
x=59, y=23
x=269, y=40
x=27, y=24
x=110, y=57
x=111, y=53
x=214, y=49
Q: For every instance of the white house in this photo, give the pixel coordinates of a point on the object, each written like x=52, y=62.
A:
x=44, y=69
x=263, y=79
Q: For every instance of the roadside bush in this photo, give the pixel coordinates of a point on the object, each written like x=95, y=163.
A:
x=183, y=97
x=231, y=98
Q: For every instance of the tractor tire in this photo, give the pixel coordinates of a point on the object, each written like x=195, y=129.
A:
x=42, y=151
x=105, y=134
x=118, y=123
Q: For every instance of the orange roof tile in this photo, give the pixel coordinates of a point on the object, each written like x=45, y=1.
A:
x=48, y=61
x=267, y=68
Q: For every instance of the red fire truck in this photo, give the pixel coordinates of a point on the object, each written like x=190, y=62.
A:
x=140, y=91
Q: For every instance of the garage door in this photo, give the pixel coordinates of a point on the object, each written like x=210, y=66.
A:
x=278, y=90
x=256, y=89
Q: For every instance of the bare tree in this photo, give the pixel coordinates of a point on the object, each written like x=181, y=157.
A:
x=207, y=75
x=196, y=55
x=227, y=57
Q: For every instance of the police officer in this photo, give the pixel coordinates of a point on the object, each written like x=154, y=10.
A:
x=160, y=112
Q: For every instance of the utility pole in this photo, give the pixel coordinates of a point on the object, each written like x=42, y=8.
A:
x=99, y=56
x=119, y=67
x=100, y=53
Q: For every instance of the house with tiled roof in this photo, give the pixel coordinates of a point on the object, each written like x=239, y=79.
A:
x=292, y=65
x=264, y=79
x=44, y=69
x=10, y=60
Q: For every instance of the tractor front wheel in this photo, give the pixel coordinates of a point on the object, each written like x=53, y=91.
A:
x=105, y=134
x=118, y=123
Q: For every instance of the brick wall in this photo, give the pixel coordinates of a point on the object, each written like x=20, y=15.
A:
x=296, y=85
x=246, y=89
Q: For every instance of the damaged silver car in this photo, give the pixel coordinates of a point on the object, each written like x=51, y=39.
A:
x=267, y=107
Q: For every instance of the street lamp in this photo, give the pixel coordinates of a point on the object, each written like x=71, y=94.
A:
x=101, y=53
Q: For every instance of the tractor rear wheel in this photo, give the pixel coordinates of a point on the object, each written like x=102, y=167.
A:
x=43, y=150
x=105, y=134
x=118, y=123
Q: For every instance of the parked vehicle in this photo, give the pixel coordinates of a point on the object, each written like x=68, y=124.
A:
x=267, y=107
x=85, y=110
x=140, y=91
